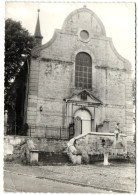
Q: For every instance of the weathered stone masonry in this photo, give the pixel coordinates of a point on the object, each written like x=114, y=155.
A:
x=52, y=76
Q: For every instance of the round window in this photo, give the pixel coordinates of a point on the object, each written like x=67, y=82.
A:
x=84, y=34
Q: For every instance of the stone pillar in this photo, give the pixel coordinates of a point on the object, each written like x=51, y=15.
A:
x=106, y=158
x=34, y=155
x=93, y=120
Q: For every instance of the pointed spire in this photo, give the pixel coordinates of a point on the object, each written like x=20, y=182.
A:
x=37, y=33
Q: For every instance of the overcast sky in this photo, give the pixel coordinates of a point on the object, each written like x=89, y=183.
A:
x=118, y=19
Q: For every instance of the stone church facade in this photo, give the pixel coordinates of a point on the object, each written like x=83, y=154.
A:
x=78, y=78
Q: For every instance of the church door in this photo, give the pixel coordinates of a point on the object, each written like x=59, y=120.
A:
x=78, y=126
x=85, y=117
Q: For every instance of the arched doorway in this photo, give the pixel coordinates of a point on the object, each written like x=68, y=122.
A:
x=82, y=120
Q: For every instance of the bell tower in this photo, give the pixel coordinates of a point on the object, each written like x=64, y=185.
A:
x=37, y=34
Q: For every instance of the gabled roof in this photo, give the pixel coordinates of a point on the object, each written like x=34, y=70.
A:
x=67, y=23
x=76, y=97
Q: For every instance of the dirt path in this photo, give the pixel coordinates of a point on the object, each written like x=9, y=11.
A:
x=14, y=182
x=116, y=178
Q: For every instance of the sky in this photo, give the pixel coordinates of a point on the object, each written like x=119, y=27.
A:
x=118, y=19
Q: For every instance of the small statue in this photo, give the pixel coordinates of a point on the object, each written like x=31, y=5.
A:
x=117, y=128
x=117, y=131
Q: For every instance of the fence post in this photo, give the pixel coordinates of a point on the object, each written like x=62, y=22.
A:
x=68, y=133
x=60, y=132
x=30, y=131
x=5, y=122
x=45, y=131
x=15, y=130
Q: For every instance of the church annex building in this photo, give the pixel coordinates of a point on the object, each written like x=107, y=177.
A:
x=78, y=81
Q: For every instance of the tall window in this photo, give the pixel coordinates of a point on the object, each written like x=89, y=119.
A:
x=83, y=71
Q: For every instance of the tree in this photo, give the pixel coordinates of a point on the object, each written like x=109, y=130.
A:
x=18, y=44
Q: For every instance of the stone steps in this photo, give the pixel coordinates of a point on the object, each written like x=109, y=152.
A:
x=51, y=157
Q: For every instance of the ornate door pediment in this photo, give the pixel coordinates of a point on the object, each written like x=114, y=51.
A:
x=83, y=96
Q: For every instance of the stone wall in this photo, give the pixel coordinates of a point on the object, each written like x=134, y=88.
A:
x=85, y=147
x=98, y=143
x=131, y=147
x=41, y=144
x=92, y=144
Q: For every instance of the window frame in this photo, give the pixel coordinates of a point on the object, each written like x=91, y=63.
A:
x=83, y=71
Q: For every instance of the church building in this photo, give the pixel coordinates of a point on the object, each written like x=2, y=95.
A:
x=77, y=82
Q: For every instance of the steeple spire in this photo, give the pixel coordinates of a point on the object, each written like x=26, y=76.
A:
x=37, y=34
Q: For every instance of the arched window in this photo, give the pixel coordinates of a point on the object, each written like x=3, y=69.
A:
x=83, y=71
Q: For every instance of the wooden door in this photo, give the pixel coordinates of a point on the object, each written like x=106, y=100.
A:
x=78, y=126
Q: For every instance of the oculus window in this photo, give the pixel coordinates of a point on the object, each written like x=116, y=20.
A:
x=84, y=34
